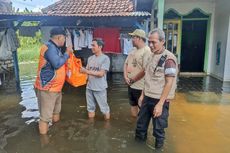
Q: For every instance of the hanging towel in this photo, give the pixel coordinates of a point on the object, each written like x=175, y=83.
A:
x=110, y=37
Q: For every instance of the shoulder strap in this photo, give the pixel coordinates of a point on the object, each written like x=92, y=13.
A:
x=161, y=61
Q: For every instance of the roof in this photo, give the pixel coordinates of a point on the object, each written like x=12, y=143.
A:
x=88, y=8
x=79, y=15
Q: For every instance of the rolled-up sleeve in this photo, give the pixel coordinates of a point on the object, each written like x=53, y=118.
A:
x=170, y=68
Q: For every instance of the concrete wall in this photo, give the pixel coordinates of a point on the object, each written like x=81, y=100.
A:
x=227, y=57
x=186, y=6
x=117, y=62
x=221, y=33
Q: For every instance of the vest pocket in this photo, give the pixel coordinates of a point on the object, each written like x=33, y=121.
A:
x=159, y=72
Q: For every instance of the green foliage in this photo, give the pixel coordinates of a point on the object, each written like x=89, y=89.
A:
x=29, y=46
x=29, y=54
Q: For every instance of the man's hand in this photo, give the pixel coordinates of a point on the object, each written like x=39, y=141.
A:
x=157, y=110
x=127, y=80
x=69, y=50
x=140, y=100
x=83, y=70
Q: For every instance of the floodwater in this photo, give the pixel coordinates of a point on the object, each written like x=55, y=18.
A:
x=199, y=120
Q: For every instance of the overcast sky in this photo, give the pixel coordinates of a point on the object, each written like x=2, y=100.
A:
x=34, y=5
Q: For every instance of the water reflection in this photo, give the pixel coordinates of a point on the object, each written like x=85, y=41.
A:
x=28, y=97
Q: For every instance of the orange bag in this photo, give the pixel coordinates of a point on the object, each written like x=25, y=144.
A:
x=73, y=75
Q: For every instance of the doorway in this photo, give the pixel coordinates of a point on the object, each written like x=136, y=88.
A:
x=193, y=45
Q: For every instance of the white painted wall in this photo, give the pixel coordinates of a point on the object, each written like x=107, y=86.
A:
x=221, y=33
x=227, y=57
x=186, y=6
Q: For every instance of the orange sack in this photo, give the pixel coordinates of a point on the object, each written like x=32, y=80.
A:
x=73, y=75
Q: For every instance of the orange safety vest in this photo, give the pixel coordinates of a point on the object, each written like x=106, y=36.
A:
x=57, y=82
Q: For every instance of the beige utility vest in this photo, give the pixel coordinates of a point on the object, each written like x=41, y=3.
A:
x=155, y=81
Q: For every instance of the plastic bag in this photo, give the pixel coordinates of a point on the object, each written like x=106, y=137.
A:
x=73, y=75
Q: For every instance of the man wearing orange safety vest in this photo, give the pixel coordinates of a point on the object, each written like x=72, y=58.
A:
x=50, y=78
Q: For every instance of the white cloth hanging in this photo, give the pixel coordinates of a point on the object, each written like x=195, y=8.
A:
x=69, y=43
x=82, y=39
x=128, y=46
x=76, y=35
x=89, y=38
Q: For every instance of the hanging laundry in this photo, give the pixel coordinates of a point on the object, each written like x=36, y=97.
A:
x=69, y=43
x=89, y=38
x=28, y=31
x=128, y=46
x=76, y=35
x=12, y=40
x=82, y=39
x=110, y=37
x=5, y=53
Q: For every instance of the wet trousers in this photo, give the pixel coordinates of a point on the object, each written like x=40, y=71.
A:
x=159, y=123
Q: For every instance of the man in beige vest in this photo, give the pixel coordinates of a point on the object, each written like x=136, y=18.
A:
x=134, y=64
x=159, y=88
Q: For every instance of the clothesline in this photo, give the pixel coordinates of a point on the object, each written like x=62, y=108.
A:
x=80, y=27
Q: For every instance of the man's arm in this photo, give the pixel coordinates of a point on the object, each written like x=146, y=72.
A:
x=55, y=60
x=168, y=85
x=125, y=73
x=100, y=73
x=104, y=68
x=170, y=73
x=139, y=76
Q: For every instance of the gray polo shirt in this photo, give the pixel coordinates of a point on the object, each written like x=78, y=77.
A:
x=97, y=63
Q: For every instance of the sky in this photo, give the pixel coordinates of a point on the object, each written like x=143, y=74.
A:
x=34, y=5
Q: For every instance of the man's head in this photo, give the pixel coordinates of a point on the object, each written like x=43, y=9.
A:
x=97, y=45
x=138, y=37
x=58, y=36
x=156, y=40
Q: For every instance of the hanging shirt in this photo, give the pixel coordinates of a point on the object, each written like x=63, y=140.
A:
x=68, y=39
x=128, y=46
x=76, y=38
x=12, y=40
x=5, y=53
x=82, y=39
x=110, y=37
x=89, y=38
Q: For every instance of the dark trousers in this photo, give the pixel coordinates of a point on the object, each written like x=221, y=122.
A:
x=159, y=123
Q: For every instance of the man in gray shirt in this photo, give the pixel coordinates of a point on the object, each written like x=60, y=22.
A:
x=97, y=67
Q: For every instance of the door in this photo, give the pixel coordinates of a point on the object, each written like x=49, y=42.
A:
x=193, y=45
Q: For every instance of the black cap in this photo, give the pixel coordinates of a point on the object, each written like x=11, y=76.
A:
x=57, y=31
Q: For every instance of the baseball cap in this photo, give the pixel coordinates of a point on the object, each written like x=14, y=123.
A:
x=139, y=33
x=57, y=31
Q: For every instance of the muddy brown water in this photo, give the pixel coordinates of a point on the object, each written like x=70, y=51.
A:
x=199, y=120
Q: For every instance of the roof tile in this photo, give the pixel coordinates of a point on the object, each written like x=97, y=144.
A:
x=88, y=7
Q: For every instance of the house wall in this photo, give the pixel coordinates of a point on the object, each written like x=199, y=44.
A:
x=221, y=34
x=184, y=7
x=218, y=31
x=227, y=57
